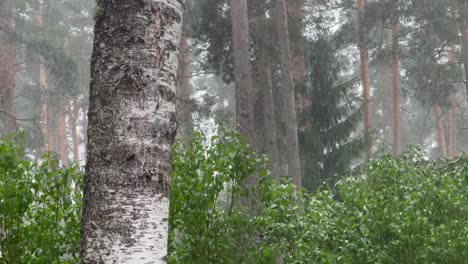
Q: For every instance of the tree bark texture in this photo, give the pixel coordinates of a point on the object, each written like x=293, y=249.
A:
x=364, y=54
x=288, y=96
x=242, y=70
x=440, y=131
x=7, y=76
x=74, y=115
x=132, y=125
x=184, y=103
x=297, y=44
x=396, y=79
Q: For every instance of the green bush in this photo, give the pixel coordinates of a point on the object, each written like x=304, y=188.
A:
x=40, y=208
x=397, y=210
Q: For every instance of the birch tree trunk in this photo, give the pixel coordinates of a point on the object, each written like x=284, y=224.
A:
x=396, y=79
x=364, y=53
x=288, y=96
x=8, y=75
x=132, y=125
x=242, y=70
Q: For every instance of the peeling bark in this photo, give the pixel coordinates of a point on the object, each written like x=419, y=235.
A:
x=130, y=136
x=396, y=79
x=288, y=96
x=242, y=71
x=364, y=54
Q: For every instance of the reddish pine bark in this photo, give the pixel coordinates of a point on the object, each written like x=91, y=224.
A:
x=364, y=54
x=43, y=84
x=184, y=91
x=452, y=110
x=440, y=130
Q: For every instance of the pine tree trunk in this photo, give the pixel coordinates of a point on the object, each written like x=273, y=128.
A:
x=269, y=117
x=464, y=31
x=242, y=70
x=363, y=50
x=453, y=109
x=132, y=125
x=62, y=128
x=184, y=104
x=396, y=79
x=297, y=44
x=74, y=114
x=288, y=96
x=43, y=84
x=440, y=130
x=8, y=76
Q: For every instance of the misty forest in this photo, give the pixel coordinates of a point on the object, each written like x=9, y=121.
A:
x=234, y=131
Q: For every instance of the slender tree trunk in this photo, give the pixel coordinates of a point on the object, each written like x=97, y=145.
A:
x=43, y=84
x=288, y=96
x=184, y=104
x=453, y=109
x=396, y=79
x=242, y=70
x=74, y=114
x=62, y=127
x=363, y=50
x=269, y=119
x=440, y=130
x=8, y=75
x=297, y=44
x=132, y=125
x=464, y=31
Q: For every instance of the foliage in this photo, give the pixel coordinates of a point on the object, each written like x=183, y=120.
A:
x=397, y=210
x=327, y=143
x=40, y=208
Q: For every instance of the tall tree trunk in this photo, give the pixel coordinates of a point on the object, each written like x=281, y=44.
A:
x=74, y=115
x=269, y=117
x=298, y=69
x=242, y=70
x=396, y=79
x=453, y=108
x=288, y=96
x=464, y=31
x=62, y=127
x=132, y=125
x=184, y=104
x=363, y=50
x=43, y=84
x=440, y=130
x=8, y=75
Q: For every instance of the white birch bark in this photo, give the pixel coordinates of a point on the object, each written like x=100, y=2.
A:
x=132, y=124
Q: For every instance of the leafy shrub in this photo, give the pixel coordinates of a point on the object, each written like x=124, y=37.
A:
x=40, y=208
x=397, y=210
